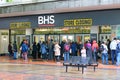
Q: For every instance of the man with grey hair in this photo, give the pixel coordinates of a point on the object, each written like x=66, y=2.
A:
x=51, y=50
x=113, y=46
x=104, y=53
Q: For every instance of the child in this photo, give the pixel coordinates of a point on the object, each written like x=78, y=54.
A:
x=83, y=52
x=83, y=55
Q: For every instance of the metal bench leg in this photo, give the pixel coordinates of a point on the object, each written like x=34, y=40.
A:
x=94, y=68
x=82, y=69
x=66, y=68
x=78, y=67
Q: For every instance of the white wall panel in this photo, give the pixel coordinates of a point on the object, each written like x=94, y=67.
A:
x=62, y=4
x=49, y=6
x=71, y=3
x=29, y=7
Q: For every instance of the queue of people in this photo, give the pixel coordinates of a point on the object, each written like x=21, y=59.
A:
x=53, y=50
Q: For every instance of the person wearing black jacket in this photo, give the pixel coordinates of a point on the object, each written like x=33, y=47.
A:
x=79, y=47
x=34, y=50
x=38, y=49
x=62, y=49
x=15, y=50
x=10, y=49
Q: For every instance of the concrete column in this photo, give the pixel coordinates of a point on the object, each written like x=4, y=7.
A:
x=29, y=33
x=94, y=31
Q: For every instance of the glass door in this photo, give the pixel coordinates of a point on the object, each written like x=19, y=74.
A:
x=37, y=38
x=69, y=38
x=82, y=37
x=79, y=38
x=53, y=37
x=105, y=37
x=19, y=39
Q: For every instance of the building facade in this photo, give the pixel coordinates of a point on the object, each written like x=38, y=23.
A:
x=78, y=23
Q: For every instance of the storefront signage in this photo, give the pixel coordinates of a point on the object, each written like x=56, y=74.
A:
x=46, y=20
x=84, y=29
x=19, y=25
x=78, y=22
x=105, y=29
x=4, y=33
x=18, y=32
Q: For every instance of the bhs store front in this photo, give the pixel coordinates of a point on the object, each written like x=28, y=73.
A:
x=75, y=26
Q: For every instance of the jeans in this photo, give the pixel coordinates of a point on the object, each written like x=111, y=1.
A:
x=50, y=55
x=95, y=56
x=44, y=56
x=118, y=59
x=113, y=55
x=104, y=58
x=66, y=56
x=15, y=55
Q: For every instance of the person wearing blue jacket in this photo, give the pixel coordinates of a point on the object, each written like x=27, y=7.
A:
x=118, y=53
x=44, y=50
x=24, y=49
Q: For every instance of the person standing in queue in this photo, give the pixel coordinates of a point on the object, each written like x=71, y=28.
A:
x=10, y=49
x=79, y=48
x=88, y=47
x=34, y=51
x=113, y=46
x=104, y=53
x=74, y=49
x=57, y=51
x=95, y=50
x=15, y=50
x=50, y=51
x=24, y=50
x=39, y=50
x=62, y=49
x=44, y=51
x=66, y=51
x=118, y=53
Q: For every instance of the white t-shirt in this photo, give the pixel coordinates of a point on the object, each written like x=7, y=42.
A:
x=83, y=52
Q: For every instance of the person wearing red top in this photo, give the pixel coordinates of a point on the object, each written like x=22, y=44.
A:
x=95, y=50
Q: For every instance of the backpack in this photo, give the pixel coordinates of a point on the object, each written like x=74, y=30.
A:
x=67, y=47
x=101, y=48
x=118, y=47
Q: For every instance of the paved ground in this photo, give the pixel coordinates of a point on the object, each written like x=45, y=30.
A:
x=50, y=70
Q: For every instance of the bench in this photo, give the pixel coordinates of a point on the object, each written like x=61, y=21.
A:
x=78, y=61
x=94, y=64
